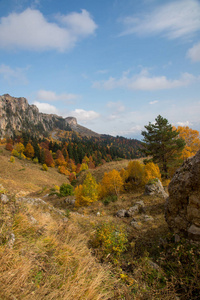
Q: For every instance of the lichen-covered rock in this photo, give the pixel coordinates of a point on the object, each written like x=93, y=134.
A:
x=155, y=188
x=183, y=205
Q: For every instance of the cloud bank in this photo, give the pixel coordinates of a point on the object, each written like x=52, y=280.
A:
x=31, y=30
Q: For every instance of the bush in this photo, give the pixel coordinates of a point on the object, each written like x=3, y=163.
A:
x=66, y=190
x=15, y=153
x=108, y=199
x=88, y=192
x=12, y=159
x=44, y=167
x=35, y=160
x=110, y=239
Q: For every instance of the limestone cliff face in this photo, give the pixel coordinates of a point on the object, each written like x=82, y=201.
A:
x=17, y=115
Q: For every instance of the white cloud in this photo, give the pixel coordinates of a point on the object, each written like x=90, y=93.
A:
x=143, y=81
x=13, y=75
x=174, y=20
x=46, y=108
x=153, y=102
x=52, y=96
x=194, y=52
x=185, y=123
x=84, y=115
x=31, y=30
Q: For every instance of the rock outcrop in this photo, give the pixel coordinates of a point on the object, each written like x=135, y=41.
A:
x=155, y=188
x=183, y=205
x=17, y=115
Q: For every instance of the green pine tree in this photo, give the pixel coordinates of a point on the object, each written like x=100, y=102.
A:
x=162, y=143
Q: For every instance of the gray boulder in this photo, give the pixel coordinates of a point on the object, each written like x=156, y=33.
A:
x=122, y=213
x=155, y=188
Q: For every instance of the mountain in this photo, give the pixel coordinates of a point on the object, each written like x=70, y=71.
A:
x=16, y=115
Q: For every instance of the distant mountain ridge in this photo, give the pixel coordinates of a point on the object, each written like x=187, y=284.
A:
x=16, y=115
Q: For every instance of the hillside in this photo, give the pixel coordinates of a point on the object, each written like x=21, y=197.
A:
x=50, y=249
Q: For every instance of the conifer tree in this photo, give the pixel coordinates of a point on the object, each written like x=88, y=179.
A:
x=162, y=143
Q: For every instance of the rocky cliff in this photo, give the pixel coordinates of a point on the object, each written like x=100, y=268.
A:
x=17, y=115
x=183, y=204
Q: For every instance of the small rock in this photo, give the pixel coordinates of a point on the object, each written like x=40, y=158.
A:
x=133, y=210
x=11, y=240
x=154, y=265
x=148, y=218
x=177, y=238
x=135, y=224
x=33, y=220
x=69, y=201
x=140, y=203
x=4, y=198
x=194, y=231
x=122, y=213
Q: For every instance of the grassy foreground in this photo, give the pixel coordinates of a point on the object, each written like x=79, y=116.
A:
x=51, y=250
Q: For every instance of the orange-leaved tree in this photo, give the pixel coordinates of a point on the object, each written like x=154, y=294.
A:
x=192, y=140
x=87, y=192
x=29, y=151
x=111, y=184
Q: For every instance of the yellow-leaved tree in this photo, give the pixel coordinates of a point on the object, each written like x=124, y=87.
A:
x=192, y=140
x=87, y=192
x=135, y=173
x=111, y=184
x=20, y=148
x=151, y=171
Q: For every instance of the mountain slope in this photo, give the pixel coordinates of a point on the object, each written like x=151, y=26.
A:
x=17, y=115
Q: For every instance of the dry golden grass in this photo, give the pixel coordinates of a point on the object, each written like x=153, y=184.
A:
x=25, y=177
x=50, y=258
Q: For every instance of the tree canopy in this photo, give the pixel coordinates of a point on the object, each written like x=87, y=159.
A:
x=161, y=142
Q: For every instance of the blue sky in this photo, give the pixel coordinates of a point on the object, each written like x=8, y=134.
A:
x=115, y=65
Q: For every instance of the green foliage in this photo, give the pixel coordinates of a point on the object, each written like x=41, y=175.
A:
x=162, y=143
x=66, y=190
x=109, y=199
x=110, y=239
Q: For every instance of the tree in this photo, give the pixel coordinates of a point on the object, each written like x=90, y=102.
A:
x=20, y=148
x=192, y=140
x=162, y=143
x=111, y=184
x=29, y=151
x=88, y=192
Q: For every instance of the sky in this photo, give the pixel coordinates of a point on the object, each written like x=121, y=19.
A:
x=115, y=65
